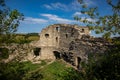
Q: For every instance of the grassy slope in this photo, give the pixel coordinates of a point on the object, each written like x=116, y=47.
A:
x=51, y=72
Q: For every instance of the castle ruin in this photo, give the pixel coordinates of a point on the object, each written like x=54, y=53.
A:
x=69, y=42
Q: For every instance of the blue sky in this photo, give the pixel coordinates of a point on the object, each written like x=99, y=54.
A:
x=41, y=13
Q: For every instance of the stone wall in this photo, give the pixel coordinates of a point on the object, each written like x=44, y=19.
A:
x=49, y=37
x=19, y=52
x=60, y=41
x=69, y=42
x=57, y=36
x=47, y=54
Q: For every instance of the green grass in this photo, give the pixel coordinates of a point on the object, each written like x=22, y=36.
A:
x=58, y=70
x=52, y=71
x=29, y=65
x=47, y=72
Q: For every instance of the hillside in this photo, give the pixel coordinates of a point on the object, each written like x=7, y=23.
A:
x=57, y=70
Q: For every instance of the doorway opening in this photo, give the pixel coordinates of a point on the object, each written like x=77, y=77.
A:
x=78, y=60
x=57, y=54
x=37, y=51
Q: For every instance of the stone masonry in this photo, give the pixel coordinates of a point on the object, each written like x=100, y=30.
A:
x=72, y=43
x=56, y=41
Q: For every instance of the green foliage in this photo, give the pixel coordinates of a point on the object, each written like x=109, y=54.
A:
x=69, y=74
x=107, y=68
x=32, y=34
x=20, y=71
x=103, y=66
x=4, y=53
x=59, y=71
x=43, y=62
x=26, y=38
x=30, y=66
x=34, y=76
x=99, y=67
x=12, y=71
x=9, y=21
x=19, y=38
x=107, y=24
x=34, y=71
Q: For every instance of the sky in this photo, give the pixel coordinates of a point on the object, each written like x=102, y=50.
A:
x=42, y=13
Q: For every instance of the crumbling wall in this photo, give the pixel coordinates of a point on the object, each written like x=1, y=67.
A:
x=47, y=53
x=67, y=34
x=49, y=37
x=19, y=52
x=58, y=36
x=69, y=42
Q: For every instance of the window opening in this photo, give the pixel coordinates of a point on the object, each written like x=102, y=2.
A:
x=57, y=28
x=66, y=35
x=56, y=39
x=82, y=30
x=46, y=35
x=37, y=51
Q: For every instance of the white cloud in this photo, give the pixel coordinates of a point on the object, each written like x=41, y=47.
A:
x=74, y=5
x=89, y=2
x=47, y=6
x=77, y=14
x=89, y=19
x=56, y=18
x=31, y=20
x=57, y=6
x=60, y=6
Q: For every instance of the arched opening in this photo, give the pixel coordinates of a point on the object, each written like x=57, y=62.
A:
x=82, y=30
x=56, y=39
x=78, y=60
x=37, y=51
x=65, y=57
x=66, y=35
x=57, y=54
x=46, y=35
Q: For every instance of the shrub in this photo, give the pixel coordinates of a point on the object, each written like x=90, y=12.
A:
x=4, y=53
x=12, y=71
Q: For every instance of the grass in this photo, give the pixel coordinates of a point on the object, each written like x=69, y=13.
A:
x=51, y=71
x=58, y=70
x=29, y=65
x=47, y=72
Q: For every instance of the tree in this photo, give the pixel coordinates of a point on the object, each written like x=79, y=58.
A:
x=107, y=24
x=9, y=19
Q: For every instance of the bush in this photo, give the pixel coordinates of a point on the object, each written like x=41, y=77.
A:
x=4, y=53
x=69, y=74
x=103, y=67
x=12, y=71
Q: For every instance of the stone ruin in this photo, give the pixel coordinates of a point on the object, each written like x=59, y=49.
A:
x=71, y=43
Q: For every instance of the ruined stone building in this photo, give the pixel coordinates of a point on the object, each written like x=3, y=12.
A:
x=69, y=42
x=56, y=41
